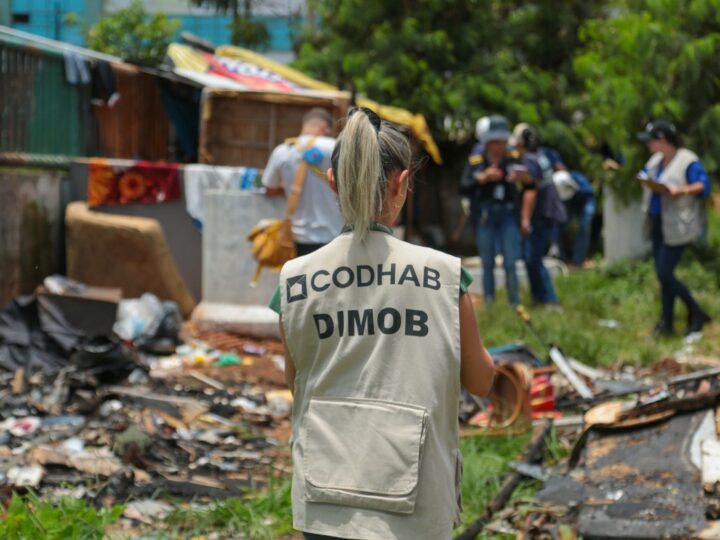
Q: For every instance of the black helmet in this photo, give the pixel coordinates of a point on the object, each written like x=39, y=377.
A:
x=660, y=129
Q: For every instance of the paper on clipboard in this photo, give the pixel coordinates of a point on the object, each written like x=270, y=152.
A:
x=653, y=185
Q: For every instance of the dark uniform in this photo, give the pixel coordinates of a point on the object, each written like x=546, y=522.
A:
x=495, y=215
x=549, y=212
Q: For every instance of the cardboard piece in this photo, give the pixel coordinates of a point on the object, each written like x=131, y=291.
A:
x=92, y=311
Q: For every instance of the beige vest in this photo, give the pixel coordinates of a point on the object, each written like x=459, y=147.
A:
x=683, y=218
x=373, y=329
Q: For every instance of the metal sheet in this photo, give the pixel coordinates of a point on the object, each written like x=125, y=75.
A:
x=636, y=484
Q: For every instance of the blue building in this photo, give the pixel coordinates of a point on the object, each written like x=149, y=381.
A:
x=65, y=20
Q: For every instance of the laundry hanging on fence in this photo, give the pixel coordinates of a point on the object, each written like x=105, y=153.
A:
x=125, y=182
x=199, y=178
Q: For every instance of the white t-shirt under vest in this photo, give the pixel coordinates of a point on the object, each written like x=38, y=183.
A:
x=373, y=329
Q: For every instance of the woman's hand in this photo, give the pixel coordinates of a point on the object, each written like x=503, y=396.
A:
x=491, y=174
x=525, y=227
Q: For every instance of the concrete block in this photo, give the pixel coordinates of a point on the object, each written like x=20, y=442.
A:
x=474, y=266
x=228, y=264
x=623, y=225
x=247, y=320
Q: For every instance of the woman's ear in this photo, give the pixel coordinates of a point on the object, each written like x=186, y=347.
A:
x=403, y=180
x=331, y=179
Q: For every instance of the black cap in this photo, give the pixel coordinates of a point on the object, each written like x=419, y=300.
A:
x=659, y=129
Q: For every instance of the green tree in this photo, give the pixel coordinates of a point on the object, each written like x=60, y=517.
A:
x=452, y=60
x=652, y=59
x=244, y=29
x=133, y=35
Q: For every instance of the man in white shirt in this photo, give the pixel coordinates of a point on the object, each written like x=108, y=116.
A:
x=317, y=218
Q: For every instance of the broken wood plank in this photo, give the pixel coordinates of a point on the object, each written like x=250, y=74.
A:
x=531, y=455
x=18, y=382
x=180, y=407
x=563, y=365
x=217, y=385
x=696, y=375
x=688, y=404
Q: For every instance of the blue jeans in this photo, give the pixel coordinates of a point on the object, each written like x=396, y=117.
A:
x=534, y=247
x=496, y=225
x=582, y=208
x=666, y=260
x=313, y=536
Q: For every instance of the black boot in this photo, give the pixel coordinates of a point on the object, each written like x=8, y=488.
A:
x=697, y=318
x=663, y=330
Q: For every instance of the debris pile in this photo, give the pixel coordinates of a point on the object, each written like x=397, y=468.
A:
x=635, y=432
x=116, y=422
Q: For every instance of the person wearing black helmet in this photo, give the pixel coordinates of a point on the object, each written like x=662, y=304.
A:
x=675, y=216
x=548, y=213
x=502, y=196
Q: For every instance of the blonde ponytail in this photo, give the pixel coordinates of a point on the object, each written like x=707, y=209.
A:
x=364, y=156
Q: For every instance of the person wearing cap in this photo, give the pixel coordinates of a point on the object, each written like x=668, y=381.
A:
x=317, y=218
x=675, y=216
x=500, y=202
x=547, y=213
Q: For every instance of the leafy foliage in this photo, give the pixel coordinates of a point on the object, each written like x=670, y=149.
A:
x=30, y=518
x=134, y=35
x=250, y=34
x=244, y=30
x=653, y=59
x=452, y=60
x=588, y=74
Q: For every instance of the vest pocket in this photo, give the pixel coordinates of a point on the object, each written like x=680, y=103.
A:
x=363, y=453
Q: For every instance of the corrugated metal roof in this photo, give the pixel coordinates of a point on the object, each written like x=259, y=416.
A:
x=11, y=36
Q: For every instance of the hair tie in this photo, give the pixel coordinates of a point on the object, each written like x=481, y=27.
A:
x=374, y=118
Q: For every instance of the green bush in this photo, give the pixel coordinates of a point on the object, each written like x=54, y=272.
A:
x=133, y=35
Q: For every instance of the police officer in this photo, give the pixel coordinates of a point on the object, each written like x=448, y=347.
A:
x=675, y=216
x=501, y=196
x=548, y=213
x=380, y=335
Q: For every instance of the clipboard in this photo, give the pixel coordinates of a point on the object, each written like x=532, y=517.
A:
x=655, y=186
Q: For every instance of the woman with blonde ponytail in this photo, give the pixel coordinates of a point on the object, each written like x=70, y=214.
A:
x=380, y=334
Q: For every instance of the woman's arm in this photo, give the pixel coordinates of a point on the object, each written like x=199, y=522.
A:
x=476, y=365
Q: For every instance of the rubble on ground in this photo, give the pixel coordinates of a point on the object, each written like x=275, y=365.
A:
x=110, y=422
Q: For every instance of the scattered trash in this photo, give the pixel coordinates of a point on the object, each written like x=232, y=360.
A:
x=29, y=476
x=122, y=423
x=21, y=427
x=531, y=471
x=280, y=403
x=147, y=510
x=228, y=359
x=609, y=323
x=138, y=316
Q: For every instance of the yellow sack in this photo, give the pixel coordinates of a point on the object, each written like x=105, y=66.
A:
x=272, y=244
x=272, y=239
